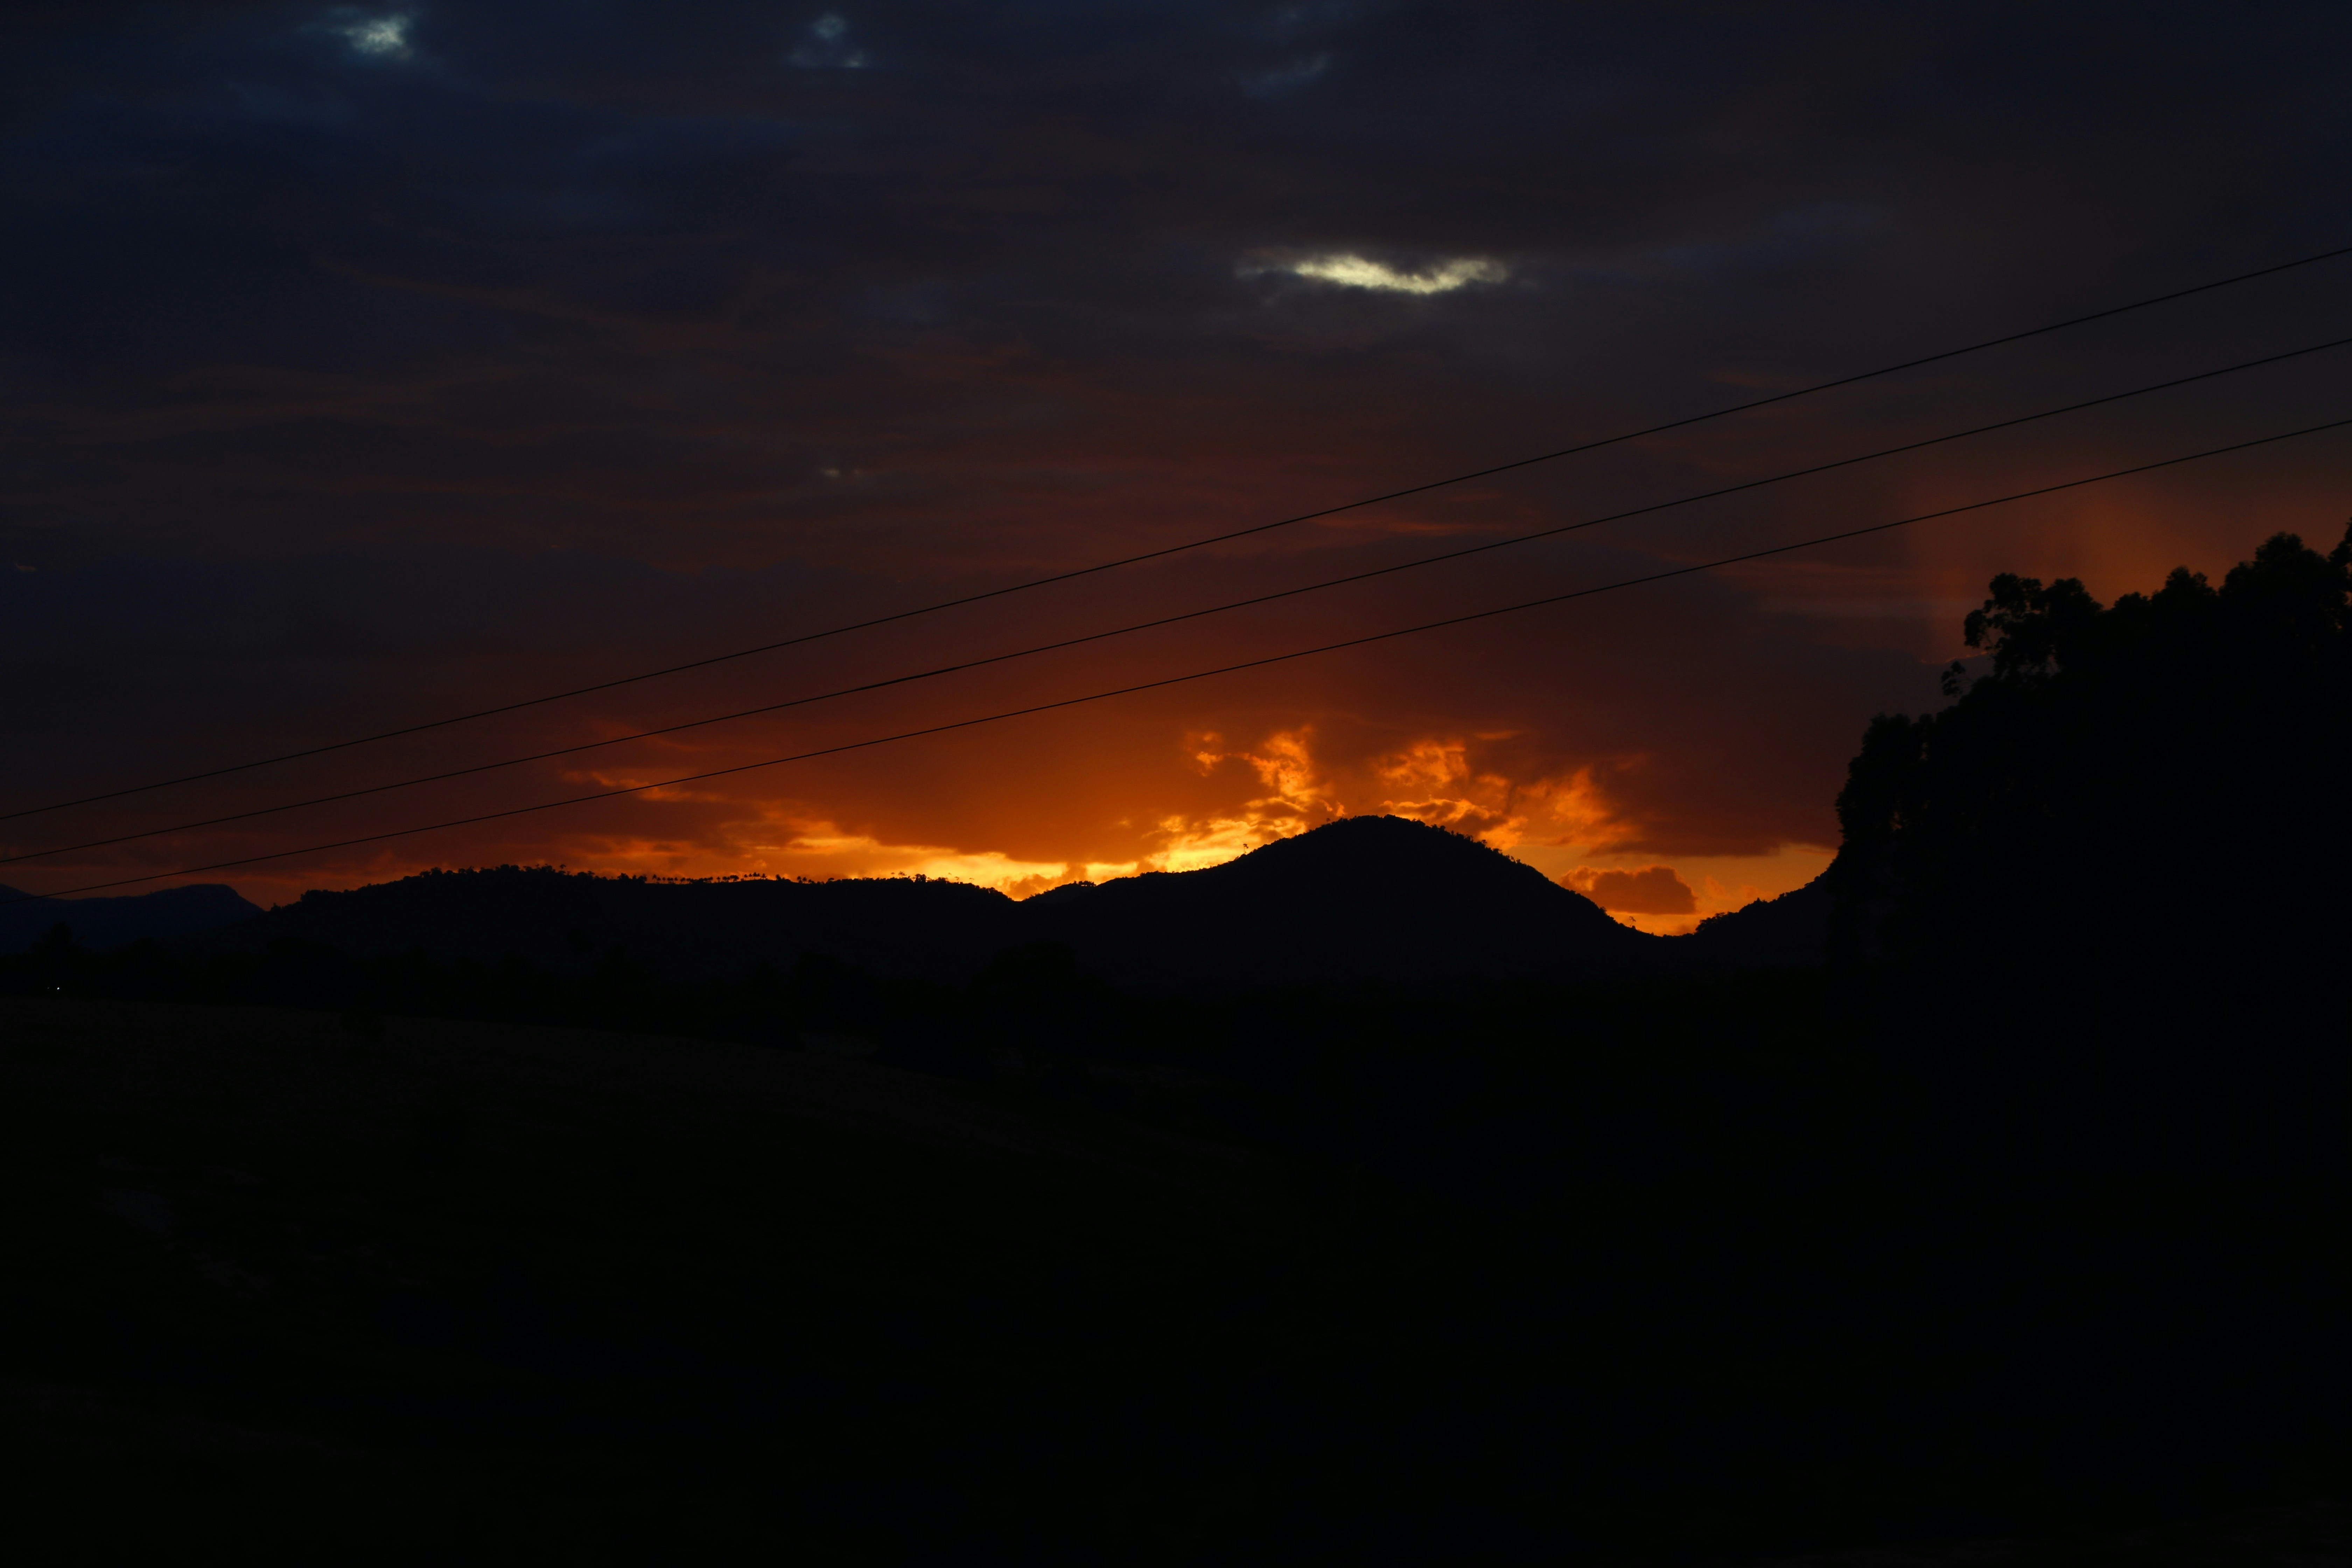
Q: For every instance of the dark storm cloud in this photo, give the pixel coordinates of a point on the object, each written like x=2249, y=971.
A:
x=570, y=273
x=358, y=358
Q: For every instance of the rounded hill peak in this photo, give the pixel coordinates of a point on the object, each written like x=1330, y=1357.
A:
x=1359, y=899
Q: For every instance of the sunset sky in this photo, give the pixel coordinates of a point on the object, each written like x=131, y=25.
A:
x=363, y=364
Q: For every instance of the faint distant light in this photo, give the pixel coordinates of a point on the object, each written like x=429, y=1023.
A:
x=1352, y=271
x=386, y=37
x=829, y=47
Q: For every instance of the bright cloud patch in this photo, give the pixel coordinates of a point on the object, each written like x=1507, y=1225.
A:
x=823, y=853
x=385, y=38
x=1352, y=271
x=1432, y=780
x=1297, y=798
x=1439, y=786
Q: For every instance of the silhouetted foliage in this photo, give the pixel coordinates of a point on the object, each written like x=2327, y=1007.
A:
x=2107, y=880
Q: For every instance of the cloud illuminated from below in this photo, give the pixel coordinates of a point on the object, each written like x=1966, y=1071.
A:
x=1352, y=271
x=385, y=37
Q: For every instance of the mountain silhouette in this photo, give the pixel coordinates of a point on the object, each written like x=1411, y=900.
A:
x=1791, y=931
x=1363, y=898
x=101, y=924
x=936, y=930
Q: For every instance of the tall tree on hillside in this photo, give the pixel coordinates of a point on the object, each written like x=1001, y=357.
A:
x=2109, y=884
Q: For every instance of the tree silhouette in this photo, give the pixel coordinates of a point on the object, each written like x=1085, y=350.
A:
x=2107, y=881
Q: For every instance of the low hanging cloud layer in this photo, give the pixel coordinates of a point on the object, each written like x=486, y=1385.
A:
x=1652, y=891
x=363, y=365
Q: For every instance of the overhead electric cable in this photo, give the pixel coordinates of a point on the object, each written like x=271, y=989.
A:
x=1174, y=619
x=1196, y=675
x=1194, y=544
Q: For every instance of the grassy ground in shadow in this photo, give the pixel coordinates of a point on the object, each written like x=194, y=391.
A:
x=434, y=1286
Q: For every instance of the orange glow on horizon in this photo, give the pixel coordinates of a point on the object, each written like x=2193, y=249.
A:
x=1276, y=786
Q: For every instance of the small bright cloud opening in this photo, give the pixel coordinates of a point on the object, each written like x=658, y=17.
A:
x=1351, y=271
x=384, y=36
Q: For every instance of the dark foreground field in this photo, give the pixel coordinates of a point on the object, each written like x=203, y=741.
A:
x=281, y=1286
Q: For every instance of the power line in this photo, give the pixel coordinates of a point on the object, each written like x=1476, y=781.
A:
x=1196, y=675
x=1194, y=544
x=1174, y=619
